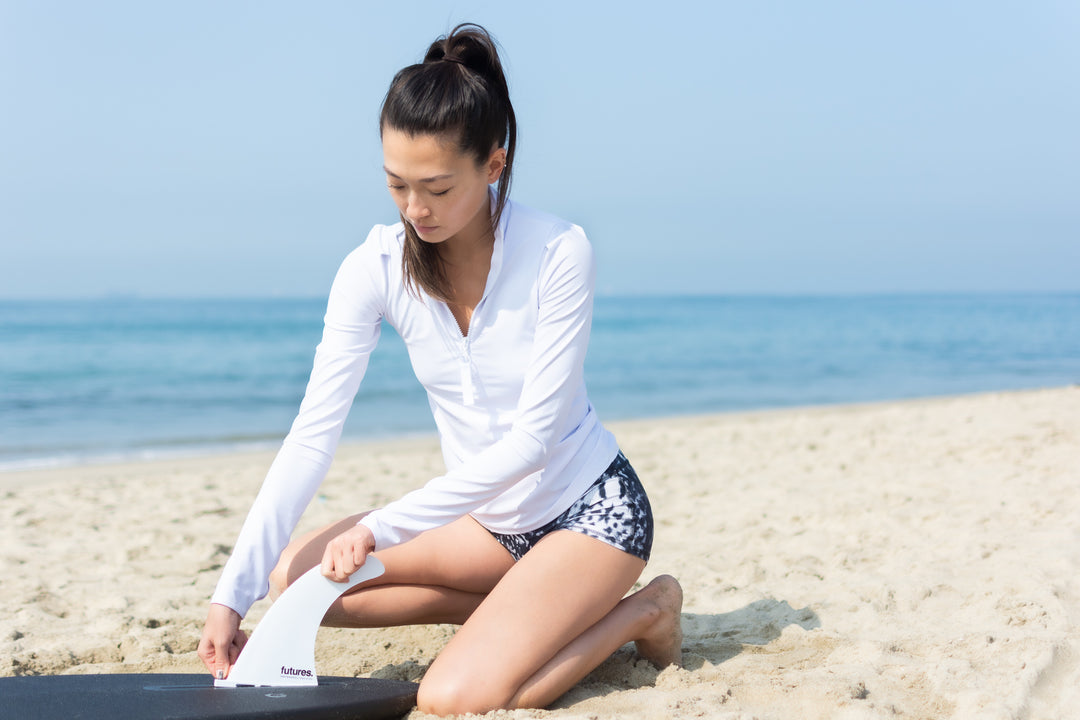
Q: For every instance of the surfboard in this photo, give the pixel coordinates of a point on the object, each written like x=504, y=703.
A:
x=186, y=696
x=274, y=677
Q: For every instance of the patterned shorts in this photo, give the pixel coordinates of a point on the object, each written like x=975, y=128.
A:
x=615, y=509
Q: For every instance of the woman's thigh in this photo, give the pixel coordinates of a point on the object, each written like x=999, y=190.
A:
x=559, y=589
x=461, y=555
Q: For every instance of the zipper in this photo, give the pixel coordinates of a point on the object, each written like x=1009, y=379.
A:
x=468, y=392
x=460, y=344
x=464, y=344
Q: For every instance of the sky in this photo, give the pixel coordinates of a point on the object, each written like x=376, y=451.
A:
x=223, y=149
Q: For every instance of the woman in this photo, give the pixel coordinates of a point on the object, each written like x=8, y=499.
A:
x=540, y=525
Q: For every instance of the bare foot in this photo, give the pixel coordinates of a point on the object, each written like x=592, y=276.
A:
x=661, y=643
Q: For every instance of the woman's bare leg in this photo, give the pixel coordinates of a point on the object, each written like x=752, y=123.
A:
x=650, y=617
x=530, y=631
x=554, y=616
x=439, y=577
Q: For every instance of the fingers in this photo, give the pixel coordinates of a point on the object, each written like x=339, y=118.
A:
x=238, y=642
x=340, y=560
x=206, y=653
x=331, y=565
x=346, y=553
x=221, y=640
x=217, y=656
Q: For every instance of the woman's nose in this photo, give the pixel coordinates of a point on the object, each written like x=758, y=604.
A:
x=415, y=208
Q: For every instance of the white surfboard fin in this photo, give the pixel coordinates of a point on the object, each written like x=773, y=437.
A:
x=281, y=651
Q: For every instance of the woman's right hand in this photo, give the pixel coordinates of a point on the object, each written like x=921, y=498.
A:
x=347, y=552
x=222, y=640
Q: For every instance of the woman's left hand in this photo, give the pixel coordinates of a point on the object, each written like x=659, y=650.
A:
x=346, y=553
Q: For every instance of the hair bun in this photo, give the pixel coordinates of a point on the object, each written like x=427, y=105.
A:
x=470, y=45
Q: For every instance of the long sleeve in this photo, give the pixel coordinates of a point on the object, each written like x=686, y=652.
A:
x=351, y=331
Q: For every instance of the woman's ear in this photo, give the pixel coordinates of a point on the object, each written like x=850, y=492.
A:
x=496, y=164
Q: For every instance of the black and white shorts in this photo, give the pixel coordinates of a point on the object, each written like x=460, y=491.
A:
x=615, y=509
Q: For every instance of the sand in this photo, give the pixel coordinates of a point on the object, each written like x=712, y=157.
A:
x=915, y=559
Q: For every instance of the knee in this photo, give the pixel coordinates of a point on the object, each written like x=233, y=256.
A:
x=279, y=580
x=457, y=695
x=283, y=575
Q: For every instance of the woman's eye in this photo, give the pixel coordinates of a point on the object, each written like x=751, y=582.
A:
x=441, y=192
x=395, y=187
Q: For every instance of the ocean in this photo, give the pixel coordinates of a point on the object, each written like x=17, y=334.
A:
x=118, y=379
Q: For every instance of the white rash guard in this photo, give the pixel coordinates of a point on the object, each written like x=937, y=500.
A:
x=519, y=437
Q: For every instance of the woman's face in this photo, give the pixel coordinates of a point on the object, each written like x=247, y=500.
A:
x=442, y=193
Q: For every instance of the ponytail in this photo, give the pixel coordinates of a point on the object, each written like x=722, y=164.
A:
x=459, y=90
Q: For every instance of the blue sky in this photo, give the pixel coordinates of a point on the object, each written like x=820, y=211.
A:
x=231, y=149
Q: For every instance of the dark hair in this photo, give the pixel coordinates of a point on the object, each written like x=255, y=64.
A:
x=459, y=90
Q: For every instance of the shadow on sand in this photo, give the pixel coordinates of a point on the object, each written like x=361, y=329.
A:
x=710, y=639
x=720, y=637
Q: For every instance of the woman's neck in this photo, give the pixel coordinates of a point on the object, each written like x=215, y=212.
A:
x=463, y=251
x=467, y=255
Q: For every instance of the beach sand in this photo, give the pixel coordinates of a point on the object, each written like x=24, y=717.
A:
x=915, y=559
